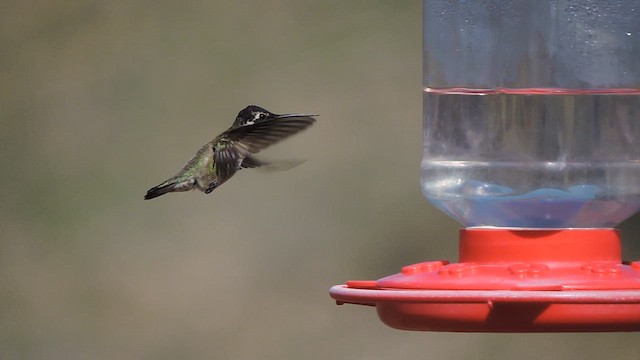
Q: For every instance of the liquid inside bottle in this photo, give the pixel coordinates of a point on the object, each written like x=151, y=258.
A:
x=533, y=158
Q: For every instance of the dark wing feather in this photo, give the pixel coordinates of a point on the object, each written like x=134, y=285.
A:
x=228, y=156
x=240, y=142
x=259, y=136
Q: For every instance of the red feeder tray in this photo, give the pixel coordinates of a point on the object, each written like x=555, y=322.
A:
x=512, y=280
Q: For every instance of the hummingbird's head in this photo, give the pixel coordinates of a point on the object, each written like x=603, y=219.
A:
x=251, y=114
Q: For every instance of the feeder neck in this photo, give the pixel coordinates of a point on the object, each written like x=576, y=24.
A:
x=490, y=245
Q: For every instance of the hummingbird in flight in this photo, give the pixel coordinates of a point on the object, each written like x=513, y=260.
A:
x=254, y=129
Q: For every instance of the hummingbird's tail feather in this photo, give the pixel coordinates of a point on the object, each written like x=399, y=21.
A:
x=154, y=192
x=167, y=187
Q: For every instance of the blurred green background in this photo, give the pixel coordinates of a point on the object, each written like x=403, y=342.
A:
x=101, y=100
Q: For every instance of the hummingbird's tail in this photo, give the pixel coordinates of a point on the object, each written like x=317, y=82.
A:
x=167, y=187
x=156, y=191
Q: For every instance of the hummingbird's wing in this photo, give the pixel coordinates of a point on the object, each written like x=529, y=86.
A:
x=236, y=144
x=260, y=135
x=250, y=162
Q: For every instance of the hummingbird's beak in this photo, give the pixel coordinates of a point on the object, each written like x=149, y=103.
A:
x=284, y=116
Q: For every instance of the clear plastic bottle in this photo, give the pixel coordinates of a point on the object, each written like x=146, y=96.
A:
x=532, y=112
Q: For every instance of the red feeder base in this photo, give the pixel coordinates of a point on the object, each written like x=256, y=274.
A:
x=512, y=281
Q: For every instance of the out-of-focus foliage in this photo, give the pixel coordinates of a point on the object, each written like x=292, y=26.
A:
x=100, y=100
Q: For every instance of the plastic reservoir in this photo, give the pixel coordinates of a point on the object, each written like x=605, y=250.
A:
x=523, y=125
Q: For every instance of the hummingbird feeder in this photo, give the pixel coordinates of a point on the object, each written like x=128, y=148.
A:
x=531, y=117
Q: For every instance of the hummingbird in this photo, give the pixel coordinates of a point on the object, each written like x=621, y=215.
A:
x=253, y=130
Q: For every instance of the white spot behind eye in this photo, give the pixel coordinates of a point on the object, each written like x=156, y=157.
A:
x=256, y=116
